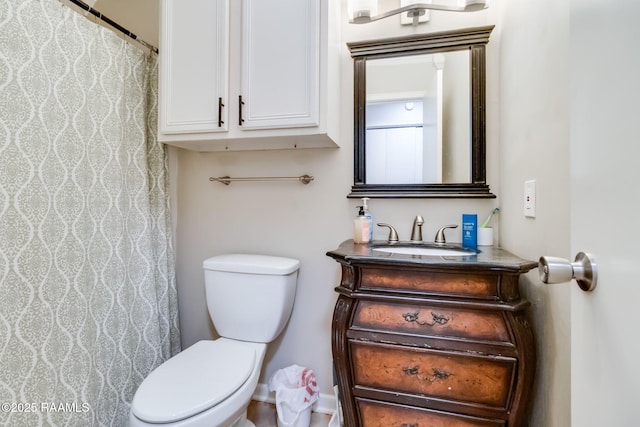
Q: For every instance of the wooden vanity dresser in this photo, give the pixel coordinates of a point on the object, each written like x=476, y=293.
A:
x=432, y=341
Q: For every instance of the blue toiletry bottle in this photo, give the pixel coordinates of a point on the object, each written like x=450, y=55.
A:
x=368, y=215
x=469, y=230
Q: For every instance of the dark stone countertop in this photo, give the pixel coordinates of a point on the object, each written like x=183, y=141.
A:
x=489, y=258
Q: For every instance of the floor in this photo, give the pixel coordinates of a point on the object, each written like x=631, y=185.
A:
x=264, y=415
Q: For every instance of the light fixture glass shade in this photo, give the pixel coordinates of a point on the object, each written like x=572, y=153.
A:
x=472, y=5
x=360, y=11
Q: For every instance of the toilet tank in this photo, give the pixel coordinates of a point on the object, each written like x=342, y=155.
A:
x=250, y=297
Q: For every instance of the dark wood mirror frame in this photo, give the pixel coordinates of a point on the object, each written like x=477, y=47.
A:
x=472, y=39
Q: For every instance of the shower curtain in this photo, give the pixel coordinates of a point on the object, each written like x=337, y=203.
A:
x=87, y=284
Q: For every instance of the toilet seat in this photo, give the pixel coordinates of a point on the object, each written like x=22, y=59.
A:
x=193, y=381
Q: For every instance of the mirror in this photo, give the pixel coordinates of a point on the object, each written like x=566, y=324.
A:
x=420, y=115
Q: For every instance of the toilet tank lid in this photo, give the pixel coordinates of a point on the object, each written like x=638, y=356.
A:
x=252, y=264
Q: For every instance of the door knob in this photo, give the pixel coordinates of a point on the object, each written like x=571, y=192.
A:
x=558, y=270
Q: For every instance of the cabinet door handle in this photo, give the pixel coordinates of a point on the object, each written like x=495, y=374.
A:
x=240, y=104
x=438, y=374
x=437, y=318
x=220, y=105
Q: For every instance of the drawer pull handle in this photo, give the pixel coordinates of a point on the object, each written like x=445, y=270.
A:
x=409, y=425
x=438, y=374
x=411, y=370
x=437, y=318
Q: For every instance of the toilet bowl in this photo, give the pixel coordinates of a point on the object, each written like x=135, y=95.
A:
x=210, y=384
x=180, y=394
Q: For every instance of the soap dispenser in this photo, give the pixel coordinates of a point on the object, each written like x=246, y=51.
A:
x=361, y=228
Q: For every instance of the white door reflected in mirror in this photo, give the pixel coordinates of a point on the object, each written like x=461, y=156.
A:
x=418, y=119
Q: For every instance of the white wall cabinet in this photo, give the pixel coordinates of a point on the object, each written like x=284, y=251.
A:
x=194, y=63
x=248, y=75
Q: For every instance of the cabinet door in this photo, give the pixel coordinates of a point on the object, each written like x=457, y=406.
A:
x=194, y=57
x=280, y=63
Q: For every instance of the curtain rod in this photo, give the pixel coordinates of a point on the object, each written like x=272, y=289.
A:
x=113, y=24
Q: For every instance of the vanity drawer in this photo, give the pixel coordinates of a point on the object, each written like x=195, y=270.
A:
x=434, y=283
x=378, y=414
x=429, y=320
x=450, y=376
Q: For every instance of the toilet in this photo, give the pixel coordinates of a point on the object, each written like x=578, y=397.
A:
x=210, y=384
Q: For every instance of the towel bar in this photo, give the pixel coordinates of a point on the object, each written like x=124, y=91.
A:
x=226, y=180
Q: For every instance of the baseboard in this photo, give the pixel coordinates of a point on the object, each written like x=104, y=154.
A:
x=326, y=403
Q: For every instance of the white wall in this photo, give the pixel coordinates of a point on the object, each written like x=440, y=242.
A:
x=527, y=136
x=138, y=16
x=300, y=221
x=534, y=144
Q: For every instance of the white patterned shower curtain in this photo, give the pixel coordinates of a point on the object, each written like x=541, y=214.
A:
x=87, y=286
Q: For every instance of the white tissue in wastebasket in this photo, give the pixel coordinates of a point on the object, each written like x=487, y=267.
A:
x=296, y=390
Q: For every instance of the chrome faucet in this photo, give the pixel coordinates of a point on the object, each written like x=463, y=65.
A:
x=416, y=231
x=393, y=234
x=440, y=239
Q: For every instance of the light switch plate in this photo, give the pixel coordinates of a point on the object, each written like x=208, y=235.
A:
x=530, y=199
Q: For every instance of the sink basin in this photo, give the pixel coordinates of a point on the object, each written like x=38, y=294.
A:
x=424, y=251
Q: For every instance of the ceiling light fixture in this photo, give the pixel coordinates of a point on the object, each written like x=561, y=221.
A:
x=365, y=11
